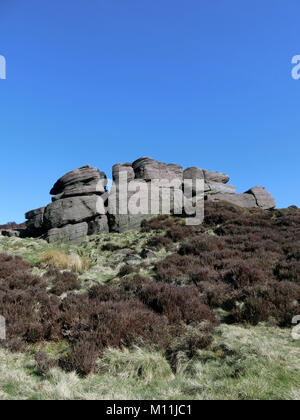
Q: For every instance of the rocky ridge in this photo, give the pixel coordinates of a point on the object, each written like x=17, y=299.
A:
x=76, y=211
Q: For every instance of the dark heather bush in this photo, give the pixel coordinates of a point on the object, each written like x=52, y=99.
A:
x=241, y=274
x=162, y=222
x=193, y=339
x=134, y=285
x=105, y=293
x=82, y=358
x=200, y=244
x=288, y=270
x=249, y=266
x=107, y=315
x=125, y=270
x=10, y=265
x=279, y=301
x=63, y=282
x=219, y=213
x=44, y=363
x=178, y=304
x=159, y=242
x=218, y=294
x=249, y=249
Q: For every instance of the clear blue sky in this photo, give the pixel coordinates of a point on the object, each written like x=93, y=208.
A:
x=199, y=82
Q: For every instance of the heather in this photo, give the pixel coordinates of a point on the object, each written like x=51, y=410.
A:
x=208, y=316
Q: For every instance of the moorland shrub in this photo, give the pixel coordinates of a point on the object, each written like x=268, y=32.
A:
x=105, y=316
x=246, y=250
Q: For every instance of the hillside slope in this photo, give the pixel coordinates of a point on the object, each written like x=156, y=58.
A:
x=173, y=311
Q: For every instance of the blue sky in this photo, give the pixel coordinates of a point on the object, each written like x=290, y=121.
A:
x=201, y=83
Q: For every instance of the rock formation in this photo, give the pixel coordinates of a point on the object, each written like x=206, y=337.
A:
x=81, y=204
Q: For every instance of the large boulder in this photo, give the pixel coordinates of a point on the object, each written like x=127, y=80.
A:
x=212, y=176
x=148, y=169
x=11, y=233
x=131, y=203
x=120, y=214
x=119, y=169
x=80, y=204
x=73, y=210
x=217, y=187
x=263, y=198
x=81, y=181
x=70, y=233
x=35, y=222
x=214, y=182
x=98, y=225
x=241, y=200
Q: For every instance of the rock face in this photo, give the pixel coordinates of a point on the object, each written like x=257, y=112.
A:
x=68, y=233
x=11, y=233
x=35, y=221
x=263, y=198
x=82, y=181
x=81, y=204
x=72, y=210
x=241, y=200
x=77, y=208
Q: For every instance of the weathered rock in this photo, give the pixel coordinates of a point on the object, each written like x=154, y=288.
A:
x=193, y=173
x=82, y=181
x=147, y=254
x=11, y=233
x=263, y=198
x=73, y=210
x=217, y=187
x=120, y=168
x=124, y=251
x=214, y=182
x=98, y=225
x=130, y=204
x=242, y=200
x=132, y=259
x=72, y=233
x=212, y=176
x=79, y=205
x=35, y=221
x=148, y=169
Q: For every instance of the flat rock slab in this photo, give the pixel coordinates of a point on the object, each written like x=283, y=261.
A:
x=148, y=169
x=35, y=219
x=212, y=176
x=217, y=187
x=98, y=225
x=11, y=233
x=241, y=200
x=73, y=210
x=120, y=169
x=72, y=233
x=81, y=181
x=263, y=198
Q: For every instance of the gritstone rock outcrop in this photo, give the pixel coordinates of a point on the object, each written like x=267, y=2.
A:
x=76, y=210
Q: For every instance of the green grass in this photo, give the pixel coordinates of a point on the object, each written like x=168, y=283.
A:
x=257, y=363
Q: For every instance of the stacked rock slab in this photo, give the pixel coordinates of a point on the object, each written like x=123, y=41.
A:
x=81, y=204
x=138, y=176
x=77, y=208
